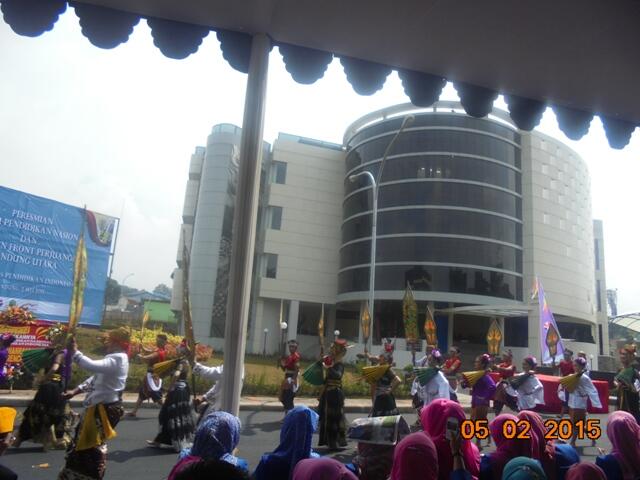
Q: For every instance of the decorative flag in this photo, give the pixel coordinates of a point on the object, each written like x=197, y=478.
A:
x=551, y=344
x=79, y=281
x=366, y=323
x=321, y=330
x=186, y=304
x=494, y=337
x=410, y=316
x=430, y=330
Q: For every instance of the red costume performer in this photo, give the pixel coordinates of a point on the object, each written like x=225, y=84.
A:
x=291, y=367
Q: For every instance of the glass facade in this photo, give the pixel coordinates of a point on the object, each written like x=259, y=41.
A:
x=448, y=175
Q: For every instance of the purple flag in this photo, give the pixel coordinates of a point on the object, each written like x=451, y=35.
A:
x=546, y=320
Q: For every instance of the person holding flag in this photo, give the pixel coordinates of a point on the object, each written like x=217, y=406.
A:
x=151, y=387
x=87, y=455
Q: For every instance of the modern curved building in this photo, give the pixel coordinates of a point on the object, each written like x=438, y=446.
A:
x=470, y=211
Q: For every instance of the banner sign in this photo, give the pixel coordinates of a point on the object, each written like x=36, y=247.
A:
x=28, y=337
x=38, y=239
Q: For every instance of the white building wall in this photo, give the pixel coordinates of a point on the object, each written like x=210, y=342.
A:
x=603, y=320
x=558, y=233
x=308, y=242
x=221, y=149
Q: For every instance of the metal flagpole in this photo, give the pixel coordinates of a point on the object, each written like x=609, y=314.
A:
x=244, y=224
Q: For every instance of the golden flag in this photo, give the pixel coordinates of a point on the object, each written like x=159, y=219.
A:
x=79, y=282
x=410, y=315
x=430, y=330
x=494, y=337
x=366, y=323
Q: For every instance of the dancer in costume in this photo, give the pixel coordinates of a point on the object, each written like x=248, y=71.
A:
x=87, y=455
x=566, y=368
x=581, y=389
x=291, y=367
x=587, y=369
x=416, y=398
x=451, y=368
x=525, y=387
x=48, y=418
x=210, y=401
x=6, y=339
x=506, y=369
x=331, y=407
x=482, y=389
x=431, y=382
x=384, y=401
x=177, y=425
x=627, y=381
x=151, y=387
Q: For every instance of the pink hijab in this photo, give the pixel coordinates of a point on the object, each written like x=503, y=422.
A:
x=322, y=469
x=585, y=471
x=415, y=457
x=624, y=433
x=434, y=422
x=542, y=449
x=507, y=449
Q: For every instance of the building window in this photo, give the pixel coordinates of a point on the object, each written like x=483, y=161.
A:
x=278, y=172
x=546, y=218
x=601, y=346
x=545, y=193
x=596, y=252
x=269, y=265
x=545, y=168
x=516, y=332
x=598, y=295
x=274, y=217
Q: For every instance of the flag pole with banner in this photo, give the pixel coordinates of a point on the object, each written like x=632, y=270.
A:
x=186, y=312
x=80, y=268
x=551, y=344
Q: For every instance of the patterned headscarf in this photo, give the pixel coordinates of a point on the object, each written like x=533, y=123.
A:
x=624, y=433
x=522, y=468
x=217, y=437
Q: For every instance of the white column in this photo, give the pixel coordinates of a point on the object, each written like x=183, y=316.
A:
x=292, y=322
x=244, y=224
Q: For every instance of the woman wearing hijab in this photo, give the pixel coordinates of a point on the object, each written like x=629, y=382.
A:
x=523, y=468
x=434, y=419
x=217, y=437
x=556, y=458
x=415, y=457
x=322, y=469
x=492, y=464
x=623, y=463
x=295, y=445
x=585, y=471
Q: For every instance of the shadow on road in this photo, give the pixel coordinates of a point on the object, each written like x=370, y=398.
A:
x=121, y=456
x=18, y=451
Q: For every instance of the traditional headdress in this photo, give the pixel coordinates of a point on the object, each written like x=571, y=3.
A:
x=340, y=346
x=436, y=355
x=629, y=348
x=388, y=346
x=7, y=338
x=56, y=334
x=485, y=359
x=581, y=361
x=162, y=337
x=121, y=336
x=531, y=360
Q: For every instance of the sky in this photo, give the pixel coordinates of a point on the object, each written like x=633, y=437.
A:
x=115, y=130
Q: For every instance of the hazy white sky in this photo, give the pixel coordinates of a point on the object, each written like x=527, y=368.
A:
x=115, y=129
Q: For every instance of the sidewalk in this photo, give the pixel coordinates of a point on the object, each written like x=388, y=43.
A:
x=21, y=398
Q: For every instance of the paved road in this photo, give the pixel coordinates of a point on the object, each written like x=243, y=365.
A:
x=130, y=458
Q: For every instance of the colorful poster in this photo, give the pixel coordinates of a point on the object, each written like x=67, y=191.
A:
x=28, y=337
x=38, y=240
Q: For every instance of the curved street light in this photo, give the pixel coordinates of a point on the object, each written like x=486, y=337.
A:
x=375, y=183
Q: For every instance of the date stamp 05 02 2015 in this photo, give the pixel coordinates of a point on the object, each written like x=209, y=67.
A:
x=556, y=429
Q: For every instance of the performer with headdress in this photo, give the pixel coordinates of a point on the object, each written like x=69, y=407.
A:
x=627, y=381
x=87, y=455
x=151, y=387
x=291, y=367
x=383, y=382
x=587, y=369
x=450, y=369
x=430, y=382
x=482, y=388
x=566, y=368
x=581, y=389
x=6, y=339
x=48, y=418
x=526, y=387
x=507, y=370
x=331, y=407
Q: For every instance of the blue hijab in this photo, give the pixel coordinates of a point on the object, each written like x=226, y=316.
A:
x=295, y=445
x=216, y=438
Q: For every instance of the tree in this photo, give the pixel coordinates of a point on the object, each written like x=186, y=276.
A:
x=162, y=289
x=113, y=291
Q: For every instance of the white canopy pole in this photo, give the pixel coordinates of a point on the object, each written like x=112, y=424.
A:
x=244, y=224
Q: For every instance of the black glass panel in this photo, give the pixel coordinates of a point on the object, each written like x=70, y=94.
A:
x=428, y=278
x=443, y=250
x=436, y=193
x=427, y=220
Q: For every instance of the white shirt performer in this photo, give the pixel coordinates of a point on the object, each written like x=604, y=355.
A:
x=437, y=385
x=526, y=387
x=87, y=455
x=211, y=401
x=585, y=390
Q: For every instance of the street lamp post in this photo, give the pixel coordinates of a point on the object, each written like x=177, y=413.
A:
x=126, y=277
x=336, y=334
x=283, y=332
x=264, y=346
x=375, y=183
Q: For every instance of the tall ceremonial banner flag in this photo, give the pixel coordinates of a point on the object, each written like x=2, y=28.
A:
x=186, y=304
x=550, y=338
x=80, y=268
